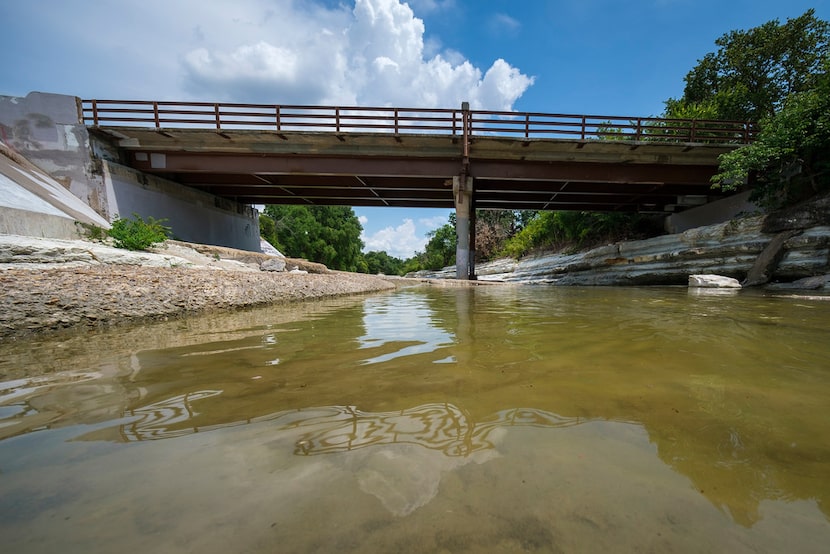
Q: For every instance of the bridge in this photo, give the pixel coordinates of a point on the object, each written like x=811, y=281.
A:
x=414, y=157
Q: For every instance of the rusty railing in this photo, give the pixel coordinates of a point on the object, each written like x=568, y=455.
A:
x=400, y=121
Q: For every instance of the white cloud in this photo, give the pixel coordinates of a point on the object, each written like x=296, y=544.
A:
x=400, y=242
x=374, y=55
x=363, y=219
x=433, y=222
x=364, y=52
x=503, y=24
x=427, y=6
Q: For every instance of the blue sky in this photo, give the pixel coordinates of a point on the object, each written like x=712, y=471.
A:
x=602, y=57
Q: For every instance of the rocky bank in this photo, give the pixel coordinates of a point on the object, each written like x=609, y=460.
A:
x=54, y=284
x=792, y=246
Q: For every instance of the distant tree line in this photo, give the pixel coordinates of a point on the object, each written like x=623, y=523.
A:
x=776, y=75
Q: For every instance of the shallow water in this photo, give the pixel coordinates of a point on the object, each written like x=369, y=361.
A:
x=491, y=419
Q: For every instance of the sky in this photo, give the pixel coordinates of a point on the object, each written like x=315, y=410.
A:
x=597, y=57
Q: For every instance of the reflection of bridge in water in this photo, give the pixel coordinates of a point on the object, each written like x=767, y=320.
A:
x=325, y=430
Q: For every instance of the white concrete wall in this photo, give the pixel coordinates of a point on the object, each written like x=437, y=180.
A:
x=712, y=213
x=47, y=130
x=34, y=204
x=193, y=216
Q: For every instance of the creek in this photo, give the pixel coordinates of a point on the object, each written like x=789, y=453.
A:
x=429, y=419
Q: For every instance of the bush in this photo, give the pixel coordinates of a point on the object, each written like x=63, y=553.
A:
x=92, y=232
x=577, y=230
x=138, y=234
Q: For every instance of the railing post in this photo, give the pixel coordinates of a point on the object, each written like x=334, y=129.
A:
x=583, y=127
x=527, y=125
x=396, y=121
x=337, y=119
x=156, y=115
x=466, y=130
x=95, y=112
x=277, y=112
x=693, y=131
x=218, y=120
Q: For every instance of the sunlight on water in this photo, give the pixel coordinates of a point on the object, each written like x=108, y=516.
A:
x=400, y=326
x=491, y=419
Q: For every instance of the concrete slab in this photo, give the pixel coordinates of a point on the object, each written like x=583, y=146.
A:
x=33, y=203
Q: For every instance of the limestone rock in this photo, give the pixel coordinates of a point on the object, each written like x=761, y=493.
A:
x=273, y=264
x=730, y=249
x=808, y=214
x=713, y=282
x=817, y=282
x=768, y=260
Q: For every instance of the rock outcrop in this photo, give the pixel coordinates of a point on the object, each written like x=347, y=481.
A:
x=798, y=242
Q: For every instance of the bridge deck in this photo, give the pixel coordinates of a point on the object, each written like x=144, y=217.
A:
x=516, y=161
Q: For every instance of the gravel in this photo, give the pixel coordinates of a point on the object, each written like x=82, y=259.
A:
x=37, y=298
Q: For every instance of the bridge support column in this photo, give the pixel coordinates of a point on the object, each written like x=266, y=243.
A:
x=462, y=187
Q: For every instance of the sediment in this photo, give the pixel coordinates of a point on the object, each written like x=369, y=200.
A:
x=40, y=300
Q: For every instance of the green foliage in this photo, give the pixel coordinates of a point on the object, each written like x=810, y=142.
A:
x=753, y=72
x=576, y=230
x=777, y=76
x=381, y=262
x=608, y=131
x=326, y=234
x=790, y=158
x=703, y=115
x=91, y=231
x=495, y=227
x=268, y=229
x=137, y=233
x=439, y=251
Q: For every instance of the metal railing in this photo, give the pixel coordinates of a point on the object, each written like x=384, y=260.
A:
x=400, y=121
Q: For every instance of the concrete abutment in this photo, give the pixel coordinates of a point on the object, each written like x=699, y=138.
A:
x=67, y=164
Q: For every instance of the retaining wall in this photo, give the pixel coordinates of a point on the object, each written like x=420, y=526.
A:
x=47, y=130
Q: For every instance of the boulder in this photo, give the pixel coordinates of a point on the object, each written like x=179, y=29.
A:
x=273, y=264
x=713, y=282
x=813, y=213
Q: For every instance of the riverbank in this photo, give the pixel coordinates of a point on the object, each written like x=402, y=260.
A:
x=54, y=284
x=785, y=249
x=51, y=284
x=38, y=300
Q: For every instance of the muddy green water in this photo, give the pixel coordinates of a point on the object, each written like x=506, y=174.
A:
x=492, y=419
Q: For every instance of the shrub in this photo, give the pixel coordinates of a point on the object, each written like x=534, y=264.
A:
x=138, y=234
x=92, y=232
x=576, y=230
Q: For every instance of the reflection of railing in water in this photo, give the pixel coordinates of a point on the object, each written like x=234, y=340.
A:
x=156, y=419
x=437, y=426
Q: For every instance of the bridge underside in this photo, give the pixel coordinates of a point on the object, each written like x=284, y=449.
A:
x=381, y=169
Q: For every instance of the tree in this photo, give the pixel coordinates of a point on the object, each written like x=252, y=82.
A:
x=790, y=158
x=440, y=249
x=493, y=227
x=776, y=76
x=753, y=72
x=381, y=262
x=573, y=229
x=326, y=234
